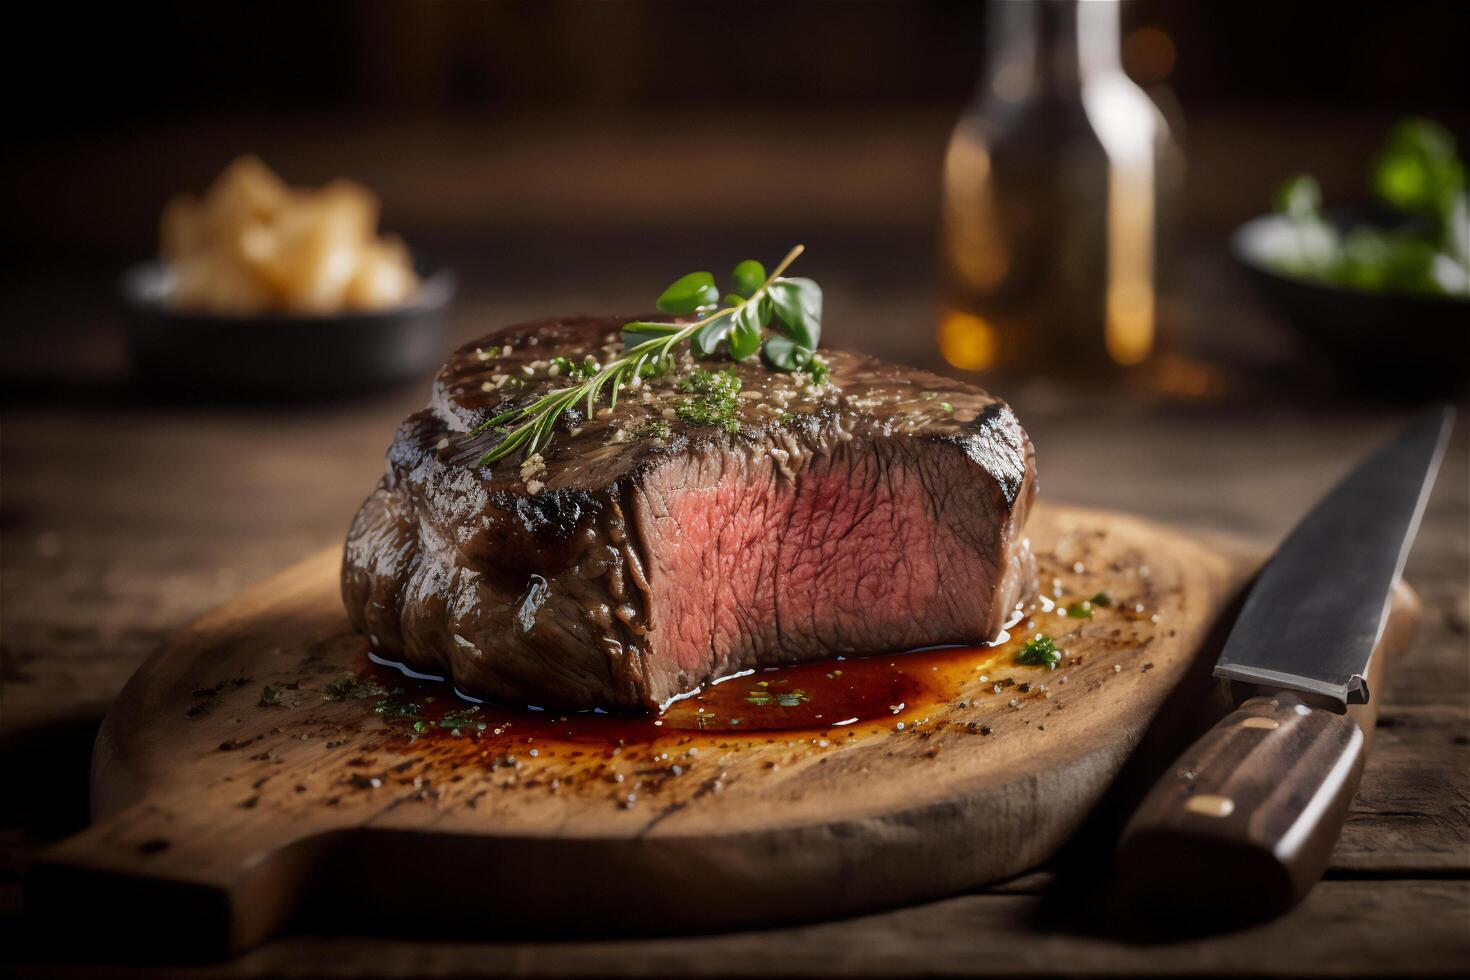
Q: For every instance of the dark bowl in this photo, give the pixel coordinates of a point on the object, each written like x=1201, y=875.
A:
x=1399, y=343
x=280, y=355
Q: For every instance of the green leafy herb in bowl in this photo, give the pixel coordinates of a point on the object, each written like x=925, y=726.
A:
x=1379, y=291
x=1423, y=247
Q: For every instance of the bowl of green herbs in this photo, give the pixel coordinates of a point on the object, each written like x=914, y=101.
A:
x=1382, y=289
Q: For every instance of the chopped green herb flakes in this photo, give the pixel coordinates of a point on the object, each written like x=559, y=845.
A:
x=567, y=368
x=714, y=400
x=394, y=709
x=1039, y=651
x=653, y=429
x=352, y=689
x=783, y=699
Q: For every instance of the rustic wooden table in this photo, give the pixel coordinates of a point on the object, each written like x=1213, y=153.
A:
x=123, y=518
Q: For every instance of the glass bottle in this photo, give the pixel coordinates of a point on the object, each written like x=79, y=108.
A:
x=1052, y=200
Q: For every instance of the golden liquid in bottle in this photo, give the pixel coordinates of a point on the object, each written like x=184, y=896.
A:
x=1050, y=213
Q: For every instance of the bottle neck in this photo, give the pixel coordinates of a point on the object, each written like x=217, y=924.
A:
x=1040, y=49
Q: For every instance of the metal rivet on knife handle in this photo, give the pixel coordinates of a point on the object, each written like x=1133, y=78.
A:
x=1210, y=805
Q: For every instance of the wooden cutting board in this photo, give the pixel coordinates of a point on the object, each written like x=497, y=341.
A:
x=246, y=773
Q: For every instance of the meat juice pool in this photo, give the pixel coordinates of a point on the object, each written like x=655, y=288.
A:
x=834, y=698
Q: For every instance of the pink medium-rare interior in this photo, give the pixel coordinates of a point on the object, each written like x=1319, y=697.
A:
x=853, y=555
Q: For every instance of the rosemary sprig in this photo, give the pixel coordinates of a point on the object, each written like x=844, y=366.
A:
x=795, y=304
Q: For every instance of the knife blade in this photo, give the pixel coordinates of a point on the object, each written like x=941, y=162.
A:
x=1243, y=825
x=1317, y=610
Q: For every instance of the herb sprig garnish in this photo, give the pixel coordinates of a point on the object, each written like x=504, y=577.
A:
x=792, y=307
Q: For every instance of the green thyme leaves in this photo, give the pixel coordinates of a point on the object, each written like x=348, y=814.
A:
x=785, y=354
x=745, y=331
x=689, y=294
x=754, y=305
x=798, y=307
x=779, y=318
x=1040, y=651
x=707, y=339
x=748, y=277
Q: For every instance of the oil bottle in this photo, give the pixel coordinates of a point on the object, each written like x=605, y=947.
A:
x=1057, y=184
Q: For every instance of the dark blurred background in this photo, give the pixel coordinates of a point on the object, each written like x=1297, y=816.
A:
x=590, y=150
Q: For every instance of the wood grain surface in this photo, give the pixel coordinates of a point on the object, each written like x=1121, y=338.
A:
x=123, y=518
x=93, y=581
x=229, y=788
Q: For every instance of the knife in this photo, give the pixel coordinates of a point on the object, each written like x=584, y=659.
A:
x=1244, y=823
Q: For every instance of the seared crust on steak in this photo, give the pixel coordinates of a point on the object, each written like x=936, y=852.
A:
x=643, y=556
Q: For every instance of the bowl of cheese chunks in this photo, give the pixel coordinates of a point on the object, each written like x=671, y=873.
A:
x=264, y=290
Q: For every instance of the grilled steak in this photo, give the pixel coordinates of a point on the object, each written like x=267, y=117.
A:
x=683, y=535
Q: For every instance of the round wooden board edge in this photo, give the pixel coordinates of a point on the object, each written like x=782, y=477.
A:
x=1223, y=565
x=870, y=857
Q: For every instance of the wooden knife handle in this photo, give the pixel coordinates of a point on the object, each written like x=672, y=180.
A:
x=1246, y=821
